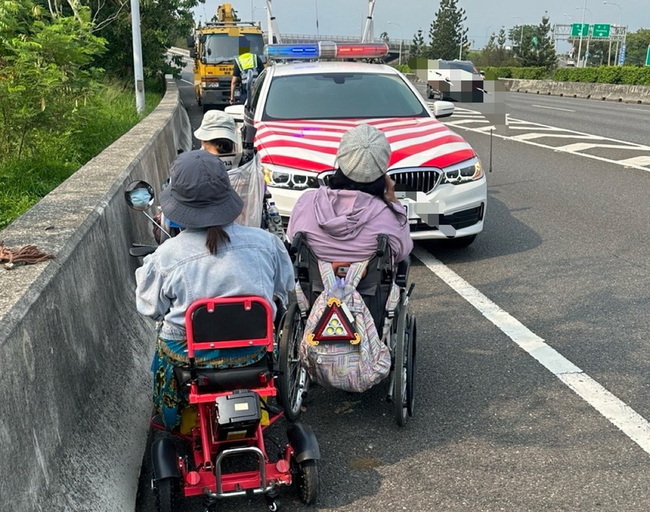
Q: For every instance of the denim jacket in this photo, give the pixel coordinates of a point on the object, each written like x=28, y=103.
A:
x=182, y=270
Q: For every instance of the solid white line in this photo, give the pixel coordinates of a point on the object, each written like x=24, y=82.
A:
x=553, y=108
x=616, y=411
x=187, y=81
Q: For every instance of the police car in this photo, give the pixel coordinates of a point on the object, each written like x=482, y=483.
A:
x=310, y=94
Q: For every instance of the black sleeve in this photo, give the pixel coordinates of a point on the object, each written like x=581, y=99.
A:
x=236, y=71
x=260, y=65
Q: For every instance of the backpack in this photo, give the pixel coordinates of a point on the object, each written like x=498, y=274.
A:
x=355, y=365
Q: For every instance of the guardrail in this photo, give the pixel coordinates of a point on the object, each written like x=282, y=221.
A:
x=609, y=92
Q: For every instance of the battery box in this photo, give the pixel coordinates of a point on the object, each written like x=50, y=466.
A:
x=237, y=415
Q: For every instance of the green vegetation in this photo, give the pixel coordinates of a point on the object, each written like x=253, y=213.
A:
x=66, y=92
x=447, y=34
x=98, y=123
x=626, y=75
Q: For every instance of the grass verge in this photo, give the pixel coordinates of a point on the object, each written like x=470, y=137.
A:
x=24, y=181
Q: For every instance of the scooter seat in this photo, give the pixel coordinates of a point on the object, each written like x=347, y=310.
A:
x=212, y=380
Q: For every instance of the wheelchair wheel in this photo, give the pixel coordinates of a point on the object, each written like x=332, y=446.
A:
x=167, y=494
x=404, y=366
x=293, y=381
x=411, y=331
x=306, y=480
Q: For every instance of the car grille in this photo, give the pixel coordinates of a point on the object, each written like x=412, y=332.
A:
x=424, y=180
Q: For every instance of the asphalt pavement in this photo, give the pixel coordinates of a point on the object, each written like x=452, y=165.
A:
x=562, y=262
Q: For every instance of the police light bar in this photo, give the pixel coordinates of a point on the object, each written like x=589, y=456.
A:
x=325, y=50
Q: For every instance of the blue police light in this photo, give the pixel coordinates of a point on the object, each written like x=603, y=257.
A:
x=293, y=51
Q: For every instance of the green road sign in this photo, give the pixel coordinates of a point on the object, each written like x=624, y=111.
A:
x=647, y=57
x=601, y=30
x=579, y=29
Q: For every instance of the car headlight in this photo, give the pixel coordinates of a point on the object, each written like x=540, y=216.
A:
x=463, y=173
x=292, y=179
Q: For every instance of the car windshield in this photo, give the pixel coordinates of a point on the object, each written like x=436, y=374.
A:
x=222, y=48
x=341, y=95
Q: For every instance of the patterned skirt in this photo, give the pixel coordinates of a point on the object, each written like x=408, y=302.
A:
x=168, y=398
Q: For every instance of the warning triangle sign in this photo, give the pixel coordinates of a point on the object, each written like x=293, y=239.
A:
x=335, y=325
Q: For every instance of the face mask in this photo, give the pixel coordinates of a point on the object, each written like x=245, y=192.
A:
x=140, y=197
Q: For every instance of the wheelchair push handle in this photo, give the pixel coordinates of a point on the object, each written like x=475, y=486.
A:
x=382, y=244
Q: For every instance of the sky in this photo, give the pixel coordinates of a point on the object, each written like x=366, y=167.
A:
x=346, y=17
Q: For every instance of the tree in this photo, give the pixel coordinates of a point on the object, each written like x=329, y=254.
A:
x=637, y=46
x=542, y=47
x=162, y=23
x=46, y=71
x=533, y=45
x=447, y=35
x=418, y=49
x=521, y=37
x=495, y=52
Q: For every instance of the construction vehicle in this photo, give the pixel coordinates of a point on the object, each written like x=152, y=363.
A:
x=214, y=47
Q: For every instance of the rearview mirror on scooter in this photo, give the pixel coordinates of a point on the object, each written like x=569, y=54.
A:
x=139, y=195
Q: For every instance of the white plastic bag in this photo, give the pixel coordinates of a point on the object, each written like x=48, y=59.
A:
x=248, y=182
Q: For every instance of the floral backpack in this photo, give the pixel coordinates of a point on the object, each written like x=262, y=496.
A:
x=341, y=347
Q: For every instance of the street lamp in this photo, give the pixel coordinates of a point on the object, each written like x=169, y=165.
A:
x=487, y=30
x=584, y=10
x=401, y=34
x=620, y=17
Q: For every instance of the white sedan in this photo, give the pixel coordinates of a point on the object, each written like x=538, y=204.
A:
x=299, y=111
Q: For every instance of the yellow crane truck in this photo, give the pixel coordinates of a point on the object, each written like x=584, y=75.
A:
x=214, y=48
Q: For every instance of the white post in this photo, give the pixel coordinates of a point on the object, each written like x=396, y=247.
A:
x=401, y=34
x=137, y=56
x=618, y=39
x=584, y=9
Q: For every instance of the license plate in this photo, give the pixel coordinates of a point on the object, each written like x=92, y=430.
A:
x=407, y=209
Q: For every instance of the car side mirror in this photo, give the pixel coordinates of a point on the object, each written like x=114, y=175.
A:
x=443, y=109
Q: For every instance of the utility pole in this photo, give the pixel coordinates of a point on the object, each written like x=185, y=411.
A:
x=137, y=56
x=401, y=35
x=584, y=10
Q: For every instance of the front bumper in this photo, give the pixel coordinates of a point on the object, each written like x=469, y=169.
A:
x=449, y=211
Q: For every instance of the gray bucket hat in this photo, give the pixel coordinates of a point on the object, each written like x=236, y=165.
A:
x=216, y=124
x=200, y=194
x=363, y=154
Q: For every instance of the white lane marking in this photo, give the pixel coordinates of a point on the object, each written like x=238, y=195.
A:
x=637, y=160
x=553, y=108
x=530, y=136
x=546, y=146
x=632, y=424
x=582, y=146
x=187, y=81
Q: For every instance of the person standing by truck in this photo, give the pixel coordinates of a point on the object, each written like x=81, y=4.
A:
x=247, y=66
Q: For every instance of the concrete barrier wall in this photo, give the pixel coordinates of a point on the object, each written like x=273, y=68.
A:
x=74, y=353
x=610, y=92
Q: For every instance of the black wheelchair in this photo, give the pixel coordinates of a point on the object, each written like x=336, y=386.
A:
x=375, y=287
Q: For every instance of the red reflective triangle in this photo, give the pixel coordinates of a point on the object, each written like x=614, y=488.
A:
x=336, y=324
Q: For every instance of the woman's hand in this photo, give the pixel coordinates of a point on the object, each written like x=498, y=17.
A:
x=389, y=194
